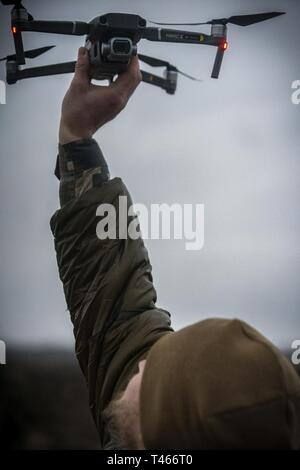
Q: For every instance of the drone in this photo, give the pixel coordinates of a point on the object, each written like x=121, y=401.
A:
x=112, y=39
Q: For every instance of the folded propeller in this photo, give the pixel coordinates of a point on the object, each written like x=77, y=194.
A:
x=240, y=20
x=162, y=63
x=31, y=54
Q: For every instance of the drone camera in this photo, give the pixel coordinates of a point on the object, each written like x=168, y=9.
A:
x=119, y=50
x=111, y=57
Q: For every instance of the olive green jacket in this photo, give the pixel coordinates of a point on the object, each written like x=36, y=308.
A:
x=107, y=283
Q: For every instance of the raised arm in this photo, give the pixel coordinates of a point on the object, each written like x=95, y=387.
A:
x=107, y=282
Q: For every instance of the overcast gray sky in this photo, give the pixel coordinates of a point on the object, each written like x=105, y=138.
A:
x=231, y=144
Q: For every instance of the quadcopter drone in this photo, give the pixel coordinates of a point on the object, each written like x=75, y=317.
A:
x=112, y=39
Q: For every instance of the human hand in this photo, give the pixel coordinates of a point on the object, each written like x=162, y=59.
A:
x=87, y=107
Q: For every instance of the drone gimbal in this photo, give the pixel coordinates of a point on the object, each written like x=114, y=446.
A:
x=111, y=40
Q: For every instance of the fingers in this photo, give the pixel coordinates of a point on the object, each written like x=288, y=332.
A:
x=82, y=68
x=128, y=81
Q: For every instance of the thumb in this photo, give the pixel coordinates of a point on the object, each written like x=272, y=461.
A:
x=82, y=67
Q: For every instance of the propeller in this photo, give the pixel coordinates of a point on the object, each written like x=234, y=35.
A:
x=31, y=54
x=162, y=63
x=241, y=20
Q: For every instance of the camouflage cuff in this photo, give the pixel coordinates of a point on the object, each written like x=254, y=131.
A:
x=80, y=166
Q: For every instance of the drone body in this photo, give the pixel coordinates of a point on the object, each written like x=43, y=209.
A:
x=112, y=41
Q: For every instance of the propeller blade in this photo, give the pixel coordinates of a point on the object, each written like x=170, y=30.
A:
x=152, y=61
x=31, y=54
x=247, y=20
x=189, y=76
x=163, y=63
x=241, y=20
x=36, y=52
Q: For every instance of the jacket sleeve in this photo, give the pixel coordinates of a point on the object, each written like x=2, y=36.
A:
x=80, y=165
x=108, y=289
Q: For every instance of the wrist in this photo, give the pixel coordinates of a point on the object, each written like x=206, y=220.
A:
x=67, y=136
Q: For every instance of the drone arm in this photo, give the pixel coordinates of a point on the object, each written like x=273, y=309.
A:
x=19, y=47
x=153, y=79
x=69, y=67
x=167, y=84
x=218, y=62
x=75, y=28
x=173, y=35
x=13, y=75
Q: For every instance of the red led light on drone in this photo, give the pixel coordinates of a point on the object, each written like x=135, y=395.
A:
x=224, y=45
x=14, y=29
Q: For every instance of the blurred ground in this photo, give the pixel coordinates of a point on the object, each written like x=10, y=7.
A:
x=44, y=402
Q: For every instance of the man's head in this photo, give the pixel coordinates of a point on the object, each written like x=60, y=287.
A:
x=215, y=384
